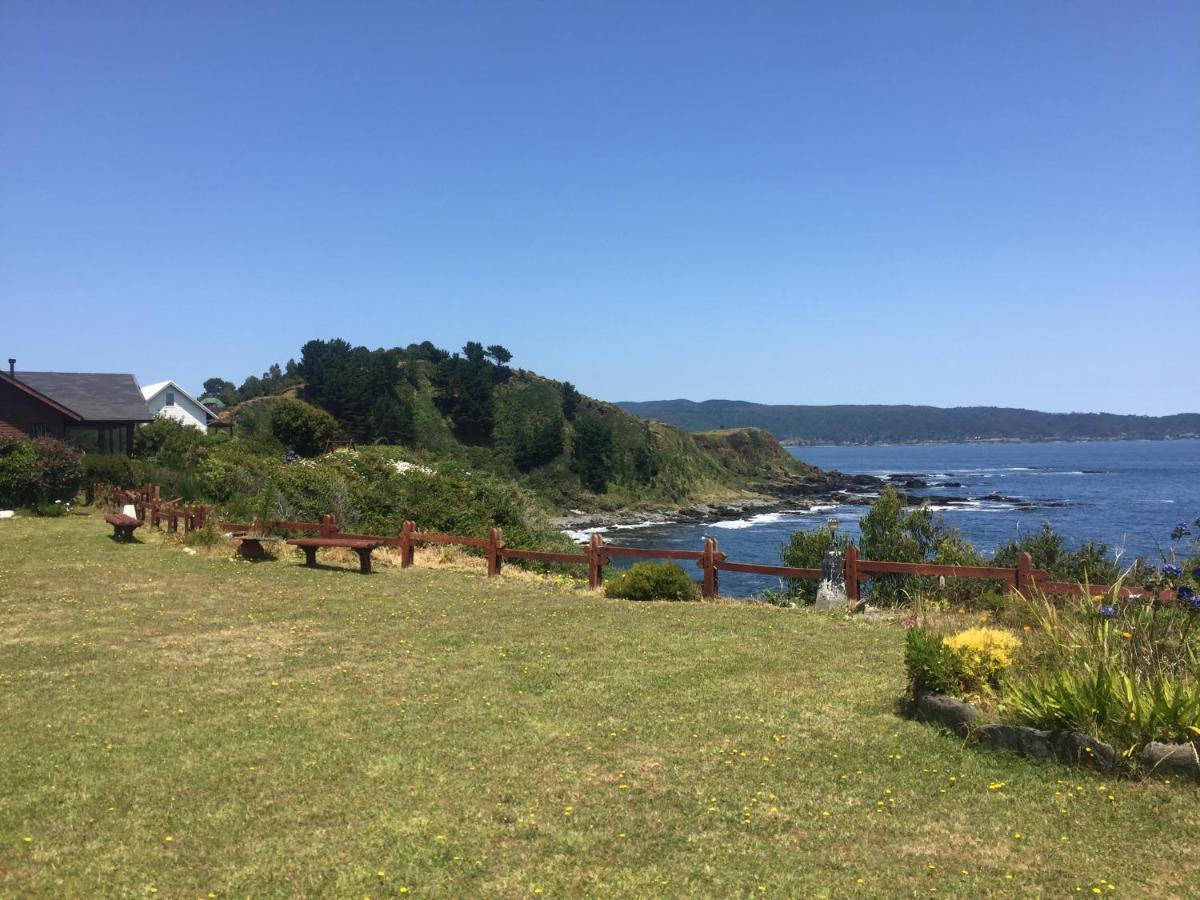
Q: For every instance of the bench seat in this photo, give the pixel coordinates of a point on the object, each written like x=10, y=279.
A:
x=361, y=546
x=123, y=526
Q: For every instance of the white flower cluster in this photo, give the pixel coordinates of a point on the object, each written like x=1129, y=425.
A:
x=403, y=466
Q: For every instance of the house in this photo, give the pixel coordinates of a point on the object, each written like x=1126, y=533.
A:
x=95, y=412
x=166, y=398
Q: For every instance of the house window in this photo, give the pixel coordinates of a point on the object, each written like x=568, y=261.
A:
x=170, y=398
x=98, y=439
x=40, y=430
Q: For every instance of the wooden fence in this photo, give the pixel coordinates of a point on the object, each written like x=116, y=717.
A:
x=595, y=556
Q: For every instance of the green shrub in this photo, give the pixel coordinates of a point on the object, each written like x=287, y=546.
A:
x=930, y=664
x=18, y=472
x=110, y=468
x=807, y=550
x=171, y=443
x=892, y=532
x=60, y=470
x=48, y=510
x=301, y=427
x=1092, y=563
x=652, y=581
x=208, y=536
x=39, y=471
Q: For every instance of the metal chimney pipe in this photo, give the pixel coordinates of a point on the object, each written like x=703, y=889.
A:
x=12, y=368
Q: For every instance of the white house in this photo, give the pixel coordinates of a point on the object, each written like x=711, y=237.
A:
x=168, y=399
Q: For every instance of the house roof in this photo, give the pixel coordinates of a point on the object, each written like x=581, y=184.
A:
x=152, y=390
x=95, y=397
x=38, y=395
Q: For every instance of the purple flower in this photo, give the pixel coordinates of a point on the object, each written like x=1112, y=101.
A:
x=1108, y=612
x=1196, y=573
x=1172, y=571
x=1186, y=593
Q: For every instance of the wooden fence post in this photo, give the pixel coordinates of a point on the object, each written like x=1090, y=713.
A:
x=407, y=544
x=850, y=564
x=329, y=525
x=595, y=555
x=494, y=546
x=709, y=563
x=1024, y=572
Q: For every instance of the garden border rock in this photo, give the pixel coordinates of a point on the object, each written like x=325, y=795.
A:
x=1072, y=747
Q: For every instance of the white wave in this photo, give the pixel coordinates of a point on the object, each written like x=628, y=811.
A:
x=972, y=506
x=760, y=519
x=583, y=535
x=649, y=523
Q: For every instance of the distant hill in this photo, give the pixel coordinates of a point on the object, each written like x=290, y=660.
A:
x=474, y=409
x=858, y=424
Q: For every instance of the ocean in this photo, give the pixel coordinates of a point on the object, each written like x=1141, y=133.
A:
x=1127, y=494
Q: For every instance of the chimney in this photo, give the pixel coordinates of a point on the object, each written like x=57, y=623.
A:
x=12, y=368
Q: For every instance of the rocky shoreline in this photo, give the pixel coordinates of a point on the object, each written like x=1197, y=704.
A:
x=802, y=494
x=827, y=488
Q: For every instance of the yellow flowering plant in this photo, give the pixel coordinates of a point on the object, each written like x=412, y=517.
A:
x=983, y=654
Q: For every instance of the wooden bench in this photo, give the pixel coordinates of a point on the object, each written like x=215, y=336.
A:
x=250, y=546
x=361, y=546
x=123, y=526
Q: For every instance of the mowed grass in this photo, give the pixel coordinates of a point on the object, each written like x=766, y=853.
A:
x=180, y=725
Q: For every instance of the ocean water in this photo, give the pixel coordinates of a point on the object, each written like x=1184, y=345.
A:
x=1128, y=494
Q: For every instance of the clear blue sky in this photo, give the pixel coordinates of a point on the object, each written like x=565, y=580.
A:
x=948, y=203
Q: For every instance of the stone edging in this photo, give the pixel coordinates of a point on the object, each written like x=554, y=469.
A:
x=1071, y=747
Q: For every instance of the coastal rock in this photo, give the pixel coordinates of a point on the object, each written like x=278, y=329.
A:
x=907, y=481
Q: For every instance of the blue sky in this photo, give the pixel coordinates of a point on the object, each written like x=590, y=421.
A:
x=947, y=203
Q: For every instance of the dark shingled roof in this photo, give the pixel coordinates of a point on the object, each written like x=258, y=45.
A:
x=96, y=397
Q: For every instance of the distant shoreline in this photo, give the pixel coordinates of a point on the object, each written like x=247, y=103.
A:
x=792, y=442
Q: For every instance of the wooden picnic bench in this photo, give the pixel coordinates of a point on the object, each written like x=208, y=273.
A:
x=123, y=526
x=250, y=546
x=361, y=546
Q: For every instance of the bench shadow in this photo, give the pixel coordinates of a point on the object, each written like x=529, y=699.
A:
x=117, y=540
x=328, y=567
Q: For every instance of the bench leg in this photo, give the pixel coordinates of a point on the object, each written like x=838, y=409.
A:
x=310, y=556
x=364, y=561
x=251, y=550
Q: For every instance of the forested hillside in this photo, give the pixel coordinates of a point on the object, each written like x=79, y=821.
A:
x=857, y=424
x=475, y=408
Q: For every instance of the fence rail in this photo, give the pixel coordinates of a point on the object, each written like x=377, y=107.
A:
x=596, y=555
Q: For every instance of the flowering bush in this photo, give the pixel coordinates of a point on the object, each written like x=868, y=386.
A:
x=969, y=662
x=983, y=653
x=1122, y=665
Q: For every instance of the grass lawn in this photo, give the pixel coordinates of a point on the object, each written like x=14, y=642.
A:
x=184, y=725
